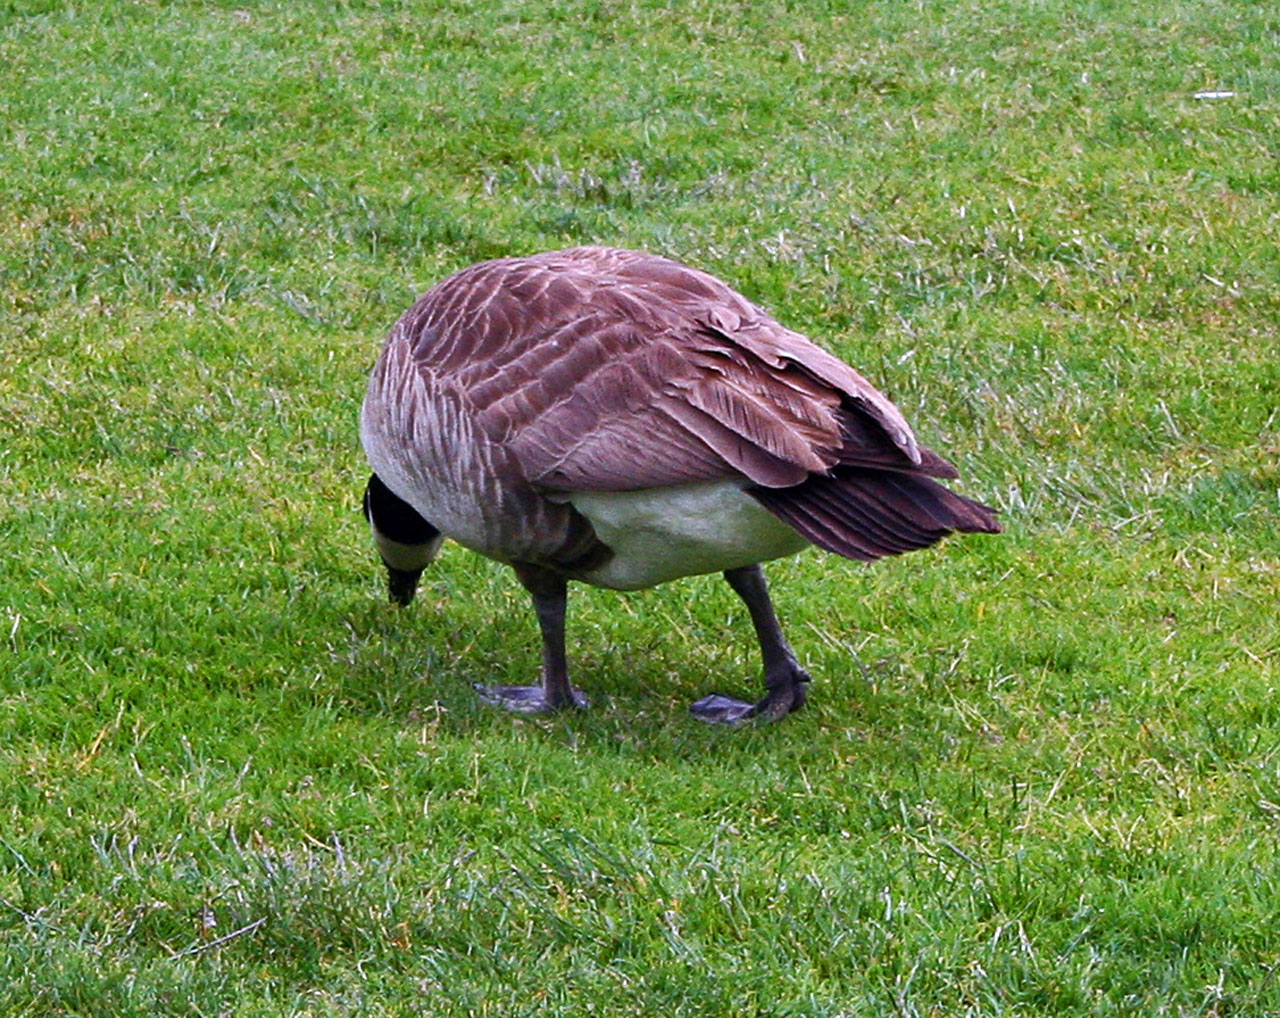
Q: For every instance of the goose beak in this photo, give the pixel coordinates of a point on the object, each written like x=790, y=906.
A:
x=402, y=584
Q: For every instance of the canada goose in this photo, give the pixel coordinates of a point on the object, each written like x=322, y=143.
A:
x=621, y=419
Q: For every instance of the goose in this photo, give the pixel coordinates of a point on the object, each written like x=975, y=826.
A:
x=621, y=419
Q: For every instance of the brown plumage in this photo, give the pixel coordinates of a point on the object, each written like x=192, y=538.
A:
x=579, y=413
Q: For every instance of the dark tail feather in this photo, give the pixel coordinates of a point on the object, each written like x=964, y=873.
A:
x=866, y=445
x=867, y=514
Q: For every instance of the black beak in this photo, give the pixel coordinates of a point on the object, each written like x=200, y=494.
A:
x=402, y=584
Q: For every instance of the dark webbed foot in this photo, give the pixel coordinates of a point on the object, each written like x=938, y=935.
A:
x=787, y=683
x=718, y=709
x=529, y=699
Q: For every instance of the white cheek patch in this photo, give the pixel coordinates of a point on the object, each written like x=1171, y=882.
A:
x=408, y=558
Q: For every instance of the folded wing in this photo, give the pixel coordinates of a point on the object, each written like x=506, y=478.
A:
x=606, y=370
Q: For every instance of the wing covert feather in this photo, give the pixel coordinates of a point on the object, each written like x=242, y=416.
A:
x=603, y=369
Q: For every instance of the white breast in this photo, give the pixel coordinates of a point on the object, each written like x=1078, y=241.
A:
x=663, y=533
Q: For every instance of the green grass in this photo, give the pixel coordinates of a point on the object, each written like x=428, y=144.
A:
x=1040, y=774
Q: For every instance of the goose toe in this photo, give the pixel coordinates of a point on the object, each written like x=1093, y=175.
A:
x=529, y=699
x=718, y=709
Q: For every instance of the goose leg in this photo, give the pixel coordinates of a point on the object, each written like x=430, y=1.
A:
x=550, y=593
x=785, y=681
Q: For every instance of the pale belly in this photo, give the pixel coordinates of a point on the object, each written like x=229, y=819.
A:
x=661, y=534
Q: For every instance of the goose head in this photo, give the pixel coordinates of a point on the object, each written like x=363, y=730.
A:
x=406, y=542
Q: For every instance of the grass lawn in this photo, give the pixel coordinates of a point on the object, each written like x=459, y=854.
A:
x=1039, y=773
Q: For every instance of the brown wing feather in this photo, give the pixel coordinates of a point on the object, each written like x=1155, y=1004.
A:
x=603, y=369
